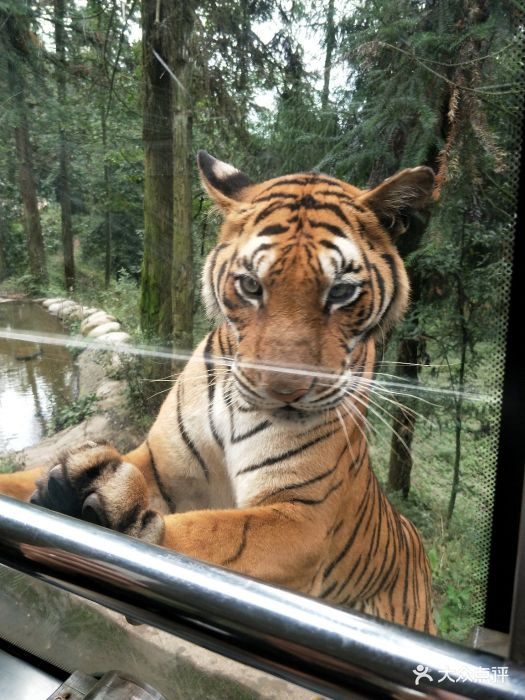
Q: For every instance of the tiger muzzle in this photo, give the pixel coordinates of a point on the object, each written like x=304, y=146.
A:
x=286, y=395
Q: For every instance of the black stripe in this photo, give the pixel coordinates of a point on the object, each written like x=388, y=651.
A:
x=383, y=581
x=220, y=273
x=286, y=455
x=163, y=492
x=242, y=383
x=210, y=377
x=317, y=501
x=333, y=531
x=334, y=208
x=328, y=590
x=332, y=246
x=221, y=342
x=380, y=284
x=249, y=433
x=405, y=586
x=231, y=306
x=261, y=247
x=273, y=230
x=347, y=546
x=335, y=230
x=129, y=518
x=313, y=480
x=86, y=478
x=350, y=575
x=395, y=279
x=274, y=195
x=307, y=179
x=188, y=441
x=242, y=545
x=308, y=202
x=301, y=484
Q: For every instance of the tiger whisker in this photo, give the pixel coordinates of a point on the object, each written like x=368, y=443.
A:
x=343, y=425
x=378, y=415
x=401, y=406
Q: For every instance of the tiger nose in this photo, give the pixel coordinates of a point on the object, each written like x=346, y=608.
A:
x=287, y=395
x=287, y=392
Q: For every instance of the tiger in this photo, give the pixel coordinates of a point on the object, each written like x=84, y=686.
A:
x=258, y=459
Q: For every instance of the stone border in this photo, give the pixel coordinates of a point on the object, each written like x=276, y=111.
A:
x=95, y=323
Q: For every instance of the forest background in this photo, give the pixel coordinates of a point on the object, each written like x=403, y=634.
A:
x=104, y=104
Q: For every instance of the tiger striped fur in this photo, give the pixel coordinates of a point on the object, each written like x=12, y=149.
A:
x=258, y=459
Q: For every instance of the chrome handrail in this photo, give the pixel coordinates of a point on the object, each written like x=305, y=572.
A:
x=328, y=649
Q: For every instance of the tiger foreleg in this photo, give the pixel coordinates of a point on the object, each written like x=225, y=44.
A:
x=95, y=483
x=20, y=485
x=278, y=544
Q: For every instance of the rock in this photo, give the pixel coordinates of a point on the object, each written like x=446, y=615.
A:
x=82, y=312
x=110, y=393
x=89, y=311
x=117, y=338
x=92, y=372
x=104, y=328
x=95, y=319
x=47, y=302
x=76, y=314
x=97, y=427
x=68, y=309
x=59, y=307
x=115, y=361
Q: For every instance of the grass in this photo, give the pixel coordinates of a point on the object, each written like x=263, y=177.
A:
x=9, y=464
x=73, y=413
x=458, y=553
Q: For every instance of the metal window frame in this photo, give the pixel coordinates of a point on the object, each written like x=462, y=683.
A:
x=517, y=621
x=510, y=473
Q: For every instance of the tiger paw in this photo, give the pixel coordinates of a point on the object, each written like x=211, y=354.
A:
x=92, y=482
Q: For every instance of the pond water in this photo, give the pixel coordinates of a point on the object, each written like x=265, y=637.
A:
x=34, y=378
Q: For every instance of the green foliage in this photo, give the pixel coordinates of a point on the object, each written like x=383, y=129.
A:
x=72, y=414
x=8, y=465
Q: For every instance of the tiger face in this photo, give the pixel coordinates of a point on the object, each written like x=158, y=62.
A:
x=306, y=273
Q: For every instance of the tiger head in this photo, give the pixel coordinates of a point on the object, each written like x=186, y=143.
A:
x=305, y=273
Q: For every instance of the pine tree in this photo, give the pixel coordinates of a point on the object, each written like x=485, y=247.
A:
x=64, y=194
x=17, y=46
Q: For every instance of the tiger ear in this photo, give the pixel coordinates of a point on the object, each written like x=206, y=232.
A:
x=398, y=196
x=224, y=183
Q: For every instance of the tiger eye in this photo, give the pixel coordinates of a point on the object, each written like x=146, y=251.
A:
x=251, y=286
x=341, y=292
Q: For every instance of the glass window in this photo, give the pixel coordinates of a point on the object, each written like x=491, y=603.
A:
x=300, y=338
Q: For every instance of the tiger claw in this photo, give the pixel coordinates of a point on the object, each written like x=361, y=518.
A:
x=93, y=511
x=54, y=492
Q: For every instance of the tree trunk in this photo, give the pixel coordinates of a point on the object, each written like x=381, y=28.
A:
x=64, y=195
x=26, y=179
x=403, y=420
x=330, y=46
x=107, y=200
x=462, y=312
x=155, y=300
x=182, y=265
x=3, y=231
x=409, y=351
